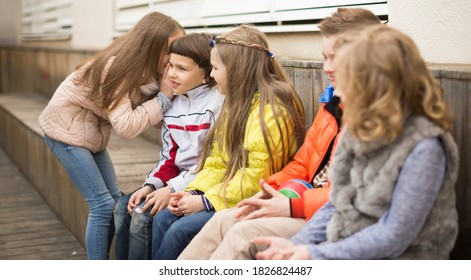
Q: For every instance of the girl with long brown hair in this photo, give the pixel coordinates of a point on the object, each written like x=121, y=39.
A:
x=260, y=127
x=121, y=87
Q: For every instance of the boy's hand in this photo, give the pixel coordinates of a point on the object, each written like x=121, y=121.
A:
x=137, y=197
x=276, y=206
x=159, y=198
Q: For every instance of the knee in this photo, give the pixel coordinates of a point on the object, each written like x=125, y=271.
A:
x=242, y=229
x=164, y=218
x=224, y=215
x=139, y=221
x=106, y=207
x=121, y=211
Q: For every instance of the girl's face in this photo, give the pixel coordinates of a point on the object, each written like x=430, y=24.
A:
x=329, y=55
x=218, y=73
x=184, y=74
x=166, y=53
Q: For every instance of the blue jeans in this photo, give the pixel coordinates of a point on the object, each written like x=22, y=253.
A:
x=94, y=177
x=133, y=233
x=171, y=234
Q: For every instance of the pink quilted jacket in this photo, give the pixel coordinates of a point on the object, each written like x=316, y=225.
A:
x=73, y=119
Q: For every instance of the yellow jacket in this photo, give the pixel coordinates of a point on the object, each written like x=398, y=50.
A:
x=245, y=183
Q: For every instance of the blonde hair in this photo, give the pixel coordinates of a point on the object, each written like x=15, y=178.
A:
x=251, y=68
x=384, y=81
x=138, y=55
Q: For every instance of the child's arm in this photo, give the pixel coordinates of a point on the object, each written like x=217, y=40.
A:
x=298, y=167
x=129, y=122
x=165, y=169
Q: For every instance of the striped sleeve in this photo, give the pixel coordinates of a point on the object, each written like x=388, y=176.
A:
x=166, y=168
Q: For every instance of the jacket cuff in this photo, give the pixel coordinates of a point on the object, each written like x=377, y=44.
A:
x=154, y=111
x=156, y=182
x=178, y=183
x=297, y=207
x=165, y=103
x=207, y=205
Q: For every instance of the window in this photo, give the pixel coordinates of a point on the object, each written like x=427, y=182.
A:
x=46, y=19
x=218, y=16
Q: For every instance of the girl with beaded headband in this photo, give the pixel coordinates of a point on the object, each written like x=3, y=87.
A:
x=260, y=127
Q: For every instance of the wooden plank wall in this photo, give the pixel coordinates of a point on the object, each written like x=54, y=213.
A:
x=457, y=87
x=41, y=70
x=37, y=70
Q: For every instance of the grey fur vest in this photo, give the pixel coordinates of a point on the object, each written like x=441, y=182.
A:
x=363, y=176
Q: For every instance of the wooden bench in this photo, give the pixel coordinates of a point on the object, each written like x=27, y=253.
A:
x=22, y=140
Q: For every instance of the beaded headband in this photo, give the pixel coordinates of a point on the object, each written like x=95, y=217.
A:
x=215, y=40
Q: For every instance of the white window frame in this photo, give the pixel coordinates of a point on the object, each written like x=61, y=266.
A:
x=218, y=16
x=46, y=20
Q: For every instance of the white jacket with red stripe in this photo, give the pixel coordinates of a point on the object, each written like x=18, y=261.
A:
x=184, y=128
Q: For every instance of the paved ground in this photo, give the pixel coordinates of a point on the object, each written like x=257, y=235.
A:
x=29, y=230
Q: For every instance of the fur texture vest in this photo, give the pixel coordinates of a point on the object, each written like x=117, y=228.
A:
x=364, y=175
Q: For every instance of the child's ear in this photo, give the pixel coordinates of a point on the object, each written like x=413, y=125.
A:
x=205, y=81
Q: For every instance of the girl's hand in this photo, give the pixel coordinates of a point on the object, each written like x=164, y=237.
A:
x=159, y=198
x=164, y=84
x=276, y=245
x=137, y=197
x=174, y=199
x=190, y=204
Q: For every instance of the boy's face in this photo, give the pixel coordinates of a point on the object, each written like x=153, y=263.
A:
x=184, y=74
x=218, y=73
x=166, y=54
x=328, y=43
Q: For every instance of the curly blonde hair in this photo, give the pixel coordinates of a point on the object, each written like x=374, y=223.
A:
x=384, y=80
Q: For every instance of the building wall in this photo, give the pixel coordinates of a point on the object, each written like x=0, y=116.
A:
x=441, y=29
x=9, y=21
x=94, y=30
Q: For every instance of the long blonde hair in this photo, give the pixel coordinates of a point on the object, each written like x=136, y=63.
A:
x=138, y=55
x=251, y=69
x=384, y=81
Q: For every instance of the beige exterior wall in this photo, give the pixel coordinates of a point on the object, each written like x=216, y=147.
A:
x=9, y=21
x=441, y=29
x=299, y=45
x=93, y=23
